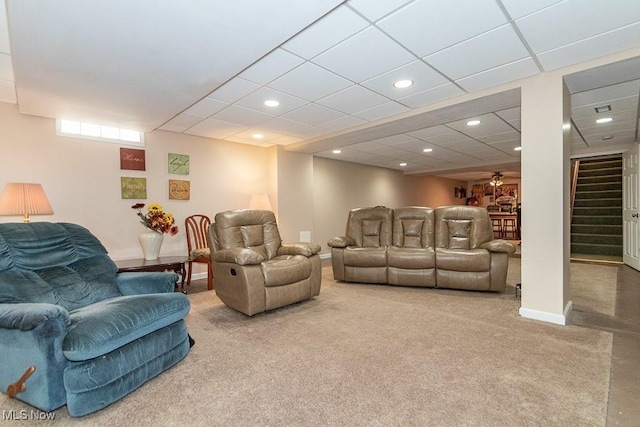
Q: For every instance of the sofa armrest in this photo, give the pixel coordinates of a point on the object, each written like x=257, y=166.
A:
x=136, y=283
x=27, y=316
x=241, y=256
x=299, y=248
x=498, y=245
x=340, y=242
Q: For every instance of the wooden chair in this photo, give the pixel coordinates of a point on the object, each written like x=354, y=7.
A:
x=197, y=228
x=509, y=229
x=496, y=224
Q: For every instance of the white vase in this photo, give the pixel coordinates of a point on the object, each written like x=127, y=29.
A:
x=151, y=242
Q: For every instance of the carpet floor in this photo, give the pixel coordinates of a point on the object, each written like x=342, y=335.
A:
x=374, y=355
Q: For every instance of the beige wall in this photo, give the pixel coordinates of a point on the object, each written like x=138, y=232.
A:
x=341, y=186
x=82, y=178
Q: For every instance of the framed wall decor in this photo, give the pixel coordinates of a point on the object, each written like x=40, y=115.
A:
x=132, y=159
x=133, y=188
x=179, y=190
x=179, y=163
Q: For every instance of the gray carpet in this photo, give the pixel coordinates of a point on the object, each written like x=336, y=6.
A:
x=374, y=355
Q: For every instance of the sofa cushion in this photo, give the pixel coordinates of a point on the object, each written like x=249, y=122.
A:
x=411, y=258
x=285, y=269
x=459, y=233
x=412, y=232
x=365, y=257
x=463, y=260
x=104, y=326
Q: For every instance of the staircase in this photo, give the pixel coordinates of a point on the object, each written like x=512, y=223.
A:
x=596, y=223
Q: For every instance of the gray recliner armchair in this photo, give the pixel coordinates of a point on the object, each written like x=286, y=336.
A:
x=254, y=270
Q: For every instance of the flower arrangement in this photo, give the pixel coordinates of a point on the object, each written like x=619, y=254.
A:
x=156, y=219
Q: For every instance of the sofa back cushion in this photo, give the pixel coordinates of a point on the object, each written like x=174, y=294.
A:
x=413, y=227
x=462, y=227
x=55, y=263
x=249, y=229
x=370, y=227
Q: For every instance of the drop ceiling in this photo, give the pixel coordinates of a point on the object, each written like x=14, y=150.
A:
x=206, y=67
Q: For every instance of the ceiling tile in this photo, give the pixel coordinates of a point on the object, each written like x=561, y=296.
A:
x=381, y=111
x=430, y=96
x=519, y=8
x=290, y=127
x=593, y=47
x=233, y=90
x=619, y=117
x=624, y=104
x=376, y=9
x=499, y=75
x=508, y=147
x=255, y=101
x=376, y=53
x=335, y=27
x=488, y=50
x=297, y=82
x=271, y=67
x=605, y=94
x=425, y=26
x=430, y=132
x=500, y=137
x=352, y=99
x=213, y=128
x=510, y=114
x=343, y=123
x=490, y=124
x=181, y=122
x=422, y=76
x=571, y=21
x=313, y=114
x=395, y=140
x=206, y=107
x=242, y=116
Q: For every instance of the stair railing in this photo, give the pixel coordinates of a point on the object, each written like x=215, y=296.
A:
x=575, y=165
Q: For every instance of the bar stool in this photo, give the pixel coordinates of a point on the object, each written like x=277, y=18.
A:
x=509, y=228
x=496, y=224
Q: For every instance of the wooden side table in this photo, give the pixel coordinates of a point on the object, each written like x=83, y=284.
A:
x=168, y=263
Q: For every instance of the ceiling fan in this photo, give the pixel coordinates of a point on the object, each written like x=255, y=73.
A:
x=496, y=179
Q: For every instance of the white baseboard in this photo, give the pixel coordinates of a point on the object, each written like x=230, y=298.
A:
x=546, y=316
x=325, y=256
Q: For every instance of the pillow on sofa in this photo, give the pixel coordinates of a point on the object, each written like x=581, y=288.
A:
x=459, y=233
x=371, y=232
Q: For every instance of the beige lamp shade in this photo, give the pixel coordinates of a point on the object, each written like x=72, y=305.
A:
x=26, y=199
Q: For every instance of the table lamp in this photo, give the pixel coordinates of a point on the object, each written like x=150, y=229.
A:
x=26, y=199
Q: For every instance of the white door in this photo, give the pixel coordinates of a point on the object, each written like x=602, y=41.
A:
x=630, y=189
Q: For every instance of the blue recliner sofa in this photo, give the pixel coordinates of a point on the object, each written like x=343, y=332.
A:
x=93, y=335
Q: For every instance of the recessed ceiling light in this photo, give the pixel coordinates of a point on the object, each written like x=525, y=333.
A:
x=604, y=120
x=427, y=150
x=603, y=108
x=517, y=149
x=605, y=138
x=271, y=103
x=337, y=151
x=403, y=164
x=401, y=84
x=473, y=122
x=258, y=136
